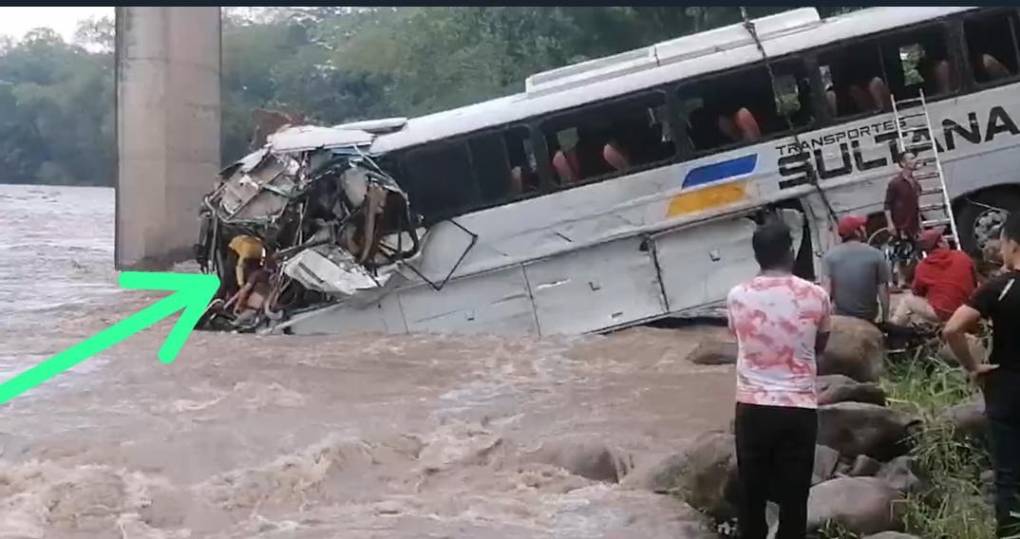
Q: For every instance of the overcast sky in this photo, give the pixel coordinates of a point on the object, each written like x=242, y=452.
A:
x=15, y=21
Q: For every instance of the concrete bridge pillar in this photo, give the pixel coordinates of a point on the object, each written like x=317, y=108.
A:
x=168, y=129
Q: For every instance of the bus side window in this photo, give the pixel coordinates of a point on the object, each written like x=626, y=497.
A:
x=858, y=84
x=572, y=145
x=918, y=59
x=717, y=116
x=439, y=180
x=523, y=166
x=792, y=91
x=992, y=45
x=606, y=139
x=742, y=107
x=491, y=166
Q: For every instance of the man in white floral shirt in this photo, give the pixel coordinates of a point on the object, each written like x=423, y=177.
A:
x=781, y=323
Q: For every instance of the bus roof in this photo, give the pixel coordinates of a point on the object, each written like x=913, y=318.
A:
x=673, y=60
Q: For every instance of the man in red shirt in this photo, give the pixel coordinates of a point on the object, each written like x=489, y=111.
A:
x=903, y=207
x=943, y=281
x=902, y=200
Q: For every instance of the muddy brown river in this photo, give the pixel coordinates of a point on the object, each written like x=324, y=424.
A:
x=307, y=437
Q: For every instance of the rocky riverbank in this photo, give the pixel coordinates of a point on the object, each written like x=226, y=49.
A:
x=897, y=449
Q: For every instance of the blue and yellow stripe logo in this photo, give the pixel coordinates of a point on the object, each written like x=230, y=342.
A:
x=713, y=196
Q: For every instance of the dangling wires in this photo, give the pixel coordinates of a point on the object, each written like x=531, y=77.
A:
x=812, y=176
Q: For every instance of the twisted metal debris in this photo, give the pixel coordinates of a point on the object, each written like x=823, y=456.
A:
x=307, y=220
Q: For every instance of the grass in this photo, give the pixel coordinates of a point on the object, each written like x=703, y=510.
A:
x=951, y=506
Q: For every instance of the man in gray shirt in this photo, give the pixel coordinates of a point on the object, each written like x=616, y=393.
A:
x=856, y=275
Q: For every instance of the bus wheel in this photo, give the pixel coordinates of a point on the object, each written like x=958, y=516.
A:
x=979, y=217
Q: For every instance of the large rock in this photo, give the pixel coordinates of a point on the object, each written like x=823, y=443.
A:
x=826, y=460
x=704, y=475
x=712, y=352
x=856, y=349
x=862, y=505
x=865, y=466
x=584, y=457
x=968, y=418
x=597, y=512
x=834, y=388
x=661, y=476
x=707, y=478
x=899, y=474
x=664, y=476
x=855, y=428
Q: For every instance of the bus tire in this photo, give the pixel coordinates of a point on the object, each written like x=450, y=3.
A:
x=976, y=222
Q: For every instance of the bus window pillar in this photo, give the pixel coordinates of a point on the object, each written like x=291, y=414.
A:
x=544, y=160
x=823, y=114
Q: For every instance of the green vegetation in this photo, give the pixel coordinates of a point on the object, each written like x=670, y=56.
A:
x=952, y=505
x=332, y=64
x=56, y=112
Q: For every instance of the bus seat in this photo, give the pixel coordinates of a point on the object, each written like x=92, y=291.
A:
x=563, y=169
x=880, y=95
x=516, y=180
x=747, y=125
x=567, y=166
x=615, y=157
x=993, y=68
x=943, y=82
x=862, y=100
x=728, y=128
x=830, y=98
x=523, y=180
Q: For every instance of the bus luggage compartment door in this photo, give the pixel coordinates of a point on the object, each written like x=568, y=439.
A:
x=700, y=264
x=490, y=302
x=596, y=288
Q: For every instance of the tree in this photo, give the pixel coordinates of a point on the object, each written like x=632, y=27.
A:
x=96, y=34
x=329, y=64
x=50, y=132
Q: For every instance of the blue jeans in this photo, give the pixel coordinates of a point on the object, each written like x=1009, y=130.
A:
x=1002, y=407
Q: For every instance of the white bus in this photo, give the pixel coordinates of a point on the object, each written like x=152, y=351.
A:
x=624, y=189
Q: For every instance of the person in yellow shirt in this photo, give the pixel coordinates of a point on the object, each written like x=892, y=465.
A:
x=249, y=272
x=249, y=251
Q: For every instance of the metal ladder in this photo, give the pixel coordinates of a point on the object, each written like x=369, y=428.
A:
x=912, y=118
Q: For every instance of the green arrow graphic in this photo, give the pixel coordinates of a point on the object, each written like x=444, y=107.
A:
x=191, y=292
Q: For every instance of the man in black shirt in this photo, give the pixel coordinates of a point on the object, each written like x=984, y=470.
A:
x=999, y=379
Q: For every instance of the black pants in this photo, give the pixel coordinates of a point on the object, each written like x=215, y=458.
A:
x=775, y=457
x=1002, y=406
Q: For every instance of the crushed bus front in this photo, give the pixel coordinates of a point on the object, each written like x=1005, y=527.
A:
x=307, y=220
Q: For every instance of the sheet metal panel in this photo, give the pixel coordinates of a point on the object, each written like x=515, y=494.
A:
x=382, y=317
x=701, y=265
x=595, y=288
x=493, y=302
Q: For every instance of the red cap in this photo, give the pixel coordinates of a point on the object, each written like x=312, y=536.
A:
x=849, y=224
x=930, y=238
